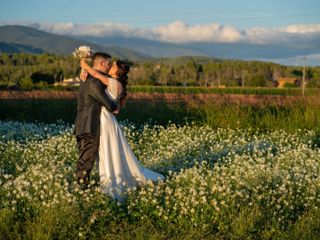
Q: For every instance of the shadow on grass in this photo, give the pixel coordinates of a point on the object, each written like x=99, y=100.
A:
x=51, y=110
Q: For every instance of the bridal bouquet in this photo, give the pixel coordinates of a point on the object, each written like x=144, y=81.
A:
x=83, y=52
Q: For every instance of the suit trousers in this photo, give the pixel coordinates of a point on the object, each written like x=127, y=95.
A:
x=88, y=145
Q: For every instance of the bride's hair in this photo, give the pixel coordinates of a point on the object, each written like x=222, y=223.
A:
x=123, y=70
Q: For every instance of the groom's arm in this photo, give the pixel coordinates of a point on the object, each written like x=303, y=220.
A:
x=97, y=91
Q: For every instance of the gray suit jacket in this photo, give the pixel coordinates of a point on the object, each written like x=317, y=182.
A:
x=90, y=99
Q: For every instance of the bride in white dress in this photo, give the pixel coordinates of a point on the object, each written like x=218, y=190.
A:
x=118, y=165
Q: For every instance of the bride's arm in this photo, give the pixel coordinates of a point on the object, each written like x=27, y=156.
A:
x=94, y=73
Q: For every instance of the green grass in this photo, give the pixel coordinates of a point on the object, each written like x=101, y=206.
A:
x=227, y=90
x=293, y=91
x=64, y=222
x=300, y=115
x=290, y=118
x=51, y=110
x=41, y=110
x=197, y=90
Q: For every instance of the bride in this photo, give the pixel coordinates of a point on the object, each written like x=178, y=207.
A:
x=118, y=166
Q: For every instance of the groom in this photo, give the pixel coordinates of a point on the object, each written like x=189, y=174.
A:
x=87, y=124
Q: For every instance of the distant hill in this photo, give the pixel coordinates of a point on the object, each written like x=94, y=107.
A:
x=31, y=40
x=148, y=47
x=183, y=60
x=252, y=51
x=18, y=48
x=281, y=53
x=27, y=39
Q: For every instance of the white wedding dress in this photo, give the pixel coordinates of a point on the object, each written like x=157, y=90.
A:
x=118, y=166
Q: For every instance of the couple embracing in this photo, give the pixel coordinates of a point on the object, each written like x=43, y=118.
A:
x=99, y=135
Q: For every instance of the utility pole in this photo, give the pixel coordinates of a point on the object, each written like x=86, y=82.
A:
x=304, y=75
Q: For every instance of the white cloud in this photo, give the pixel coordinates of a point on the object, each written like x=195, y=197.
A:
x=98, y=29
x=179, y=32
x=301, y=28
x=60, y=28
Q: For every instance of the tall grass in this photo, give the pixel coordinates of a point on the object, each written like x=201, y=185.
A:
x=41, y=110
x=51, y=110
x=290, y=91
x=290, y=118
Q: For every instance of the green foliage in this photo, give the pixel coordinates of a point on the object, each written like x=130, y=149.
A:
x=17, y=69
x=199, y=71
x=290, y=85
x=297, y=73
x=182, y=71
x=26, y=83
x=42, y=77
x=41, y=85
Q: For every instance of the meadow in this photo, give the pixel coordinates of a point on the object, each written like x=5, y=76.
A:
x=232, y=171
x=284, y=112
x=220, y=184
x=52, y=110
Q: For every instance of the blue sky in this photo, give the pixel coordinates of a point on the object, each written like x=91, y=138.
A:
x=290, y=24
x=148, y=13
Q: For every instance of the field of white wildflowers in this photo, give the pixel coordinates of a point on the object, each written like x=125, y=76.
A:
x=220, y=184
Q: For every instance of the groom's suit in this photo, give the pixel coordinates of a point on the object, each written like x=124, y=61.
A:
x=87, y=124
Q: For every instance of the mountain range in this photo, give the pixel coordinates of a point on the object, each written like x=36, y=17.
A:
x=15, y=38
x=30, y=40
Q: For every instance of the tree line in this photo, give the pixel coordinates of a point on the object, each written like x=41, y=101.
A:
x=28, y=71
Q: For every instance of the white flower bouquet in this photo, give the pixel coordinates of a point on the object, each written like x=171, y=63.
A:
x=83, y=52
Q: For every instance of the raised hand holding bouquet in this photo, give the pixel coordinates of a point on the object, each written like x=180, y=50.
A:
x=83, y=53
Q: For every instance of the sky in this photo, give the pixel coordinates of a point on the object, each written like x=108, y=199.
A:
x=241, y=14
x=290, y=23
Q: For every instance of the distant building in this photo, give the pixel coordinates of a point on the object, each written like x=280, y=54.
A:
x=282, y=81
